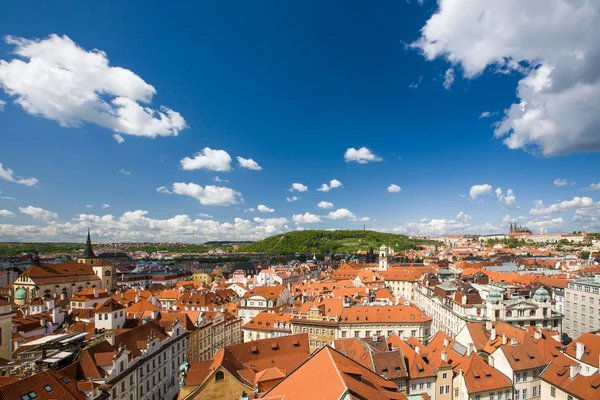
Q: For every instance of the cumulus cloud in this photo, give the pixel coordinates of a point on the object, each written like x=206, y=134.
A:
x=209, y=195
x=508, y=199
x=217, y=179
x=8, y=175
x=118, y=138
x=463, y=217
x=552, y=44
x=39, y=213
x=577, y=202
x=249, y=164
x=59, y=80
x=88, y=206
x=393, y=188
x=264, y=209
x=7, y=198
x=249, y=210
x=306, y=218
x=105, y=205
x=6, y=214
x=593, y=186
x=341, y=213
x=124, y=172
x=448, y=78
x=361, y=156
x=2, y=104
x=325, y=204
x=333, y=184
x=138, y=225
x=292, y=199
x=203, y=215
x=563, y=182
x=546, y=223
x=487, y=114
x=479, y=190
x=208, y=159
x=163, y=189
x=298, y=187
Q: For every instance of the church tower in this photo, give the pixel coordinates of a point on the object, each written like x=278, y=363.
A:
x=383, y=257
x=88, y=257
x=102, y=269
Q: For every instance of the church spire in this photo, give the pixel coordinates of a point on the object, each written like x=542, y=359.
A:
x=88, y=252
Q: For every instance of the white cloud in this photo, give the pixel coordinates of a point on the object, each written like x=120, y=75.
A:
x=393, y=188
x=487, y=114
x=88, y=206
x=325, y=204
x=208, y=159
x=2, y=104
x=7, y=198
x=61, y=81
x=577, y=202
x=364, y=219
x=105, y=205
x=509, y=199
x=8, y=175
x=361, y=156
x=298, y=187
x=292, y=199
x=479, y=190
x=448, y=78
x=249, y=210
x=552, y=44
x=593, y=186
x=249, y=163
x=563, y=182
x=163, y=189
x=333, y=184
x=118, y=138
x=217, y=179
x=341, y=213
x=39, y=213
x=545, y=223
x=461, y=216
x=306, y=218
x=208, y=195
x=6, y=214
x=203, y=215
x=264, y=209
x=124, y=172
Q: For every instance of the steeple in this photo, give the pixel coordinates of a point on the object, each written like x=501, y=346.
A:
x=88, y=252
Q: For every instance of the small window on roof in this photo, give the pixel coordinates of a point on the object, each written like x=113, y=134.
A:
x=48, y=388
x=64, y=380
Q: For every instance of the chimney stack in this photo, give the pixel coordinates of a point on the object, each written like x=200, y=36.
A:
x=488, y=325
x=538, y=333
x=580, y=349
x=504, y=339
x=514, y=342
x=444, y=356
x=446, y=342
x=493, y=334
x=95, y=293
x=470, y=348
x=574, y=370
x=417, y=350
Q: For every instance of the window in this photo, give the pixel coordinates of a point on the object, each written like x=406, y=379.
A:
x=48, y=388
x=356, y=334
x=413, y=333
x=444, y=375
x=413, y=387
x=518, y=377
x=517, y=395
x=343, y=334
x=428, y=385
x=219, y=376
x=401, y=385
x=455, y=392
x=535, y=391
x=317, y=331
x=368, y=333
x=492, y=396
x=477, y=397
x=441, y=390
x=507, y=394
x=569, y=397
x=525, y=376
x=524, y=394
x=421, y=386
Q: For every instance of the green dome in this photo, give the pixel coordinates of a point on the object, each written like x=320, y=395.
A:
x=494, y=296
x=541, y=294
x=20, y=293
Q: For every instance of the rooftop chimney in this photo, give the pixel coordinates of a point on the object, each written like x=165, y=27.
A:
x=580, y=349
x=417, y=350
x=470, y=348
x=95, y=293
x=444, y=356
x=574, y=370
x=446, y=342
x=538, y=333
x=504, y=339
x=488, y=325
x=514, y=342
x=493, y=334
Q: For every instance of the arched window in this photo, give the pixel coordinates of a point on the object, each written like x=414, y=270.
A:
x=509, y=313
x=219, y=376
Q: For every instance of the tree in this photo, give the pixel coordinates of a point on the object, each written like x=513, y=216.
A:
x=585, y=255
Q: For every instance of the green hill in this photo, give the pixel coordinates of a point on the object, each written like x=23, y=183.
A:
x=324, y=242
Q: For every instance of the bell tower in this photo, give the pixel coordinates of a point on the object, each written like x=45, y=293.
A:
x=88, y=257
x=383, y=257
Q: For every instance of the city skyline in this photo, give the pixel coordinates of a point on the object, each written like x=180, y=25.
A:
x=243, y=122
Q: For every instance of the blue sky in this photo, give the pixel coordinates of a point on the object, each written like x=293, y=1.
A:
x=293, y=87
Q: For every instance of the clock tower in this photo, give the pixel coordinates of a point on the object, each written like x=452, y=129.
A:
x=104, y=270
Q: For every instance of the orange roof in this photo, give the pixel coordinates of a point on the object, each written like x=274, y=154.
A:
x=387, y=314
x=61, y=387
x=581, y=387
x=328, y=375
x=591, y=349
x=265, y=321
x=480, y=376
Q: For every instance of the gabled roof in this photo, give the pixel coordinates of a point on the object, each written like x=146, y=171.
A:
x=582, y=387
x=109, y=306
x=591, y=349
x=480, y=376
x=442, y=342
x=523, y=355
x=329, y=375
x=47, y=385
x=417, y=367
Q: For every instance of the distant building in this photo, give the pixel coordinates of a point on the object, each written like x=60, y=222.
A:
x=582, y=306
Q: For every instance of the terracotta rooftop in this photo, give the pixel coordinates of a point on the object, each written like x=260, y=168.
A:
x=47, y=385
